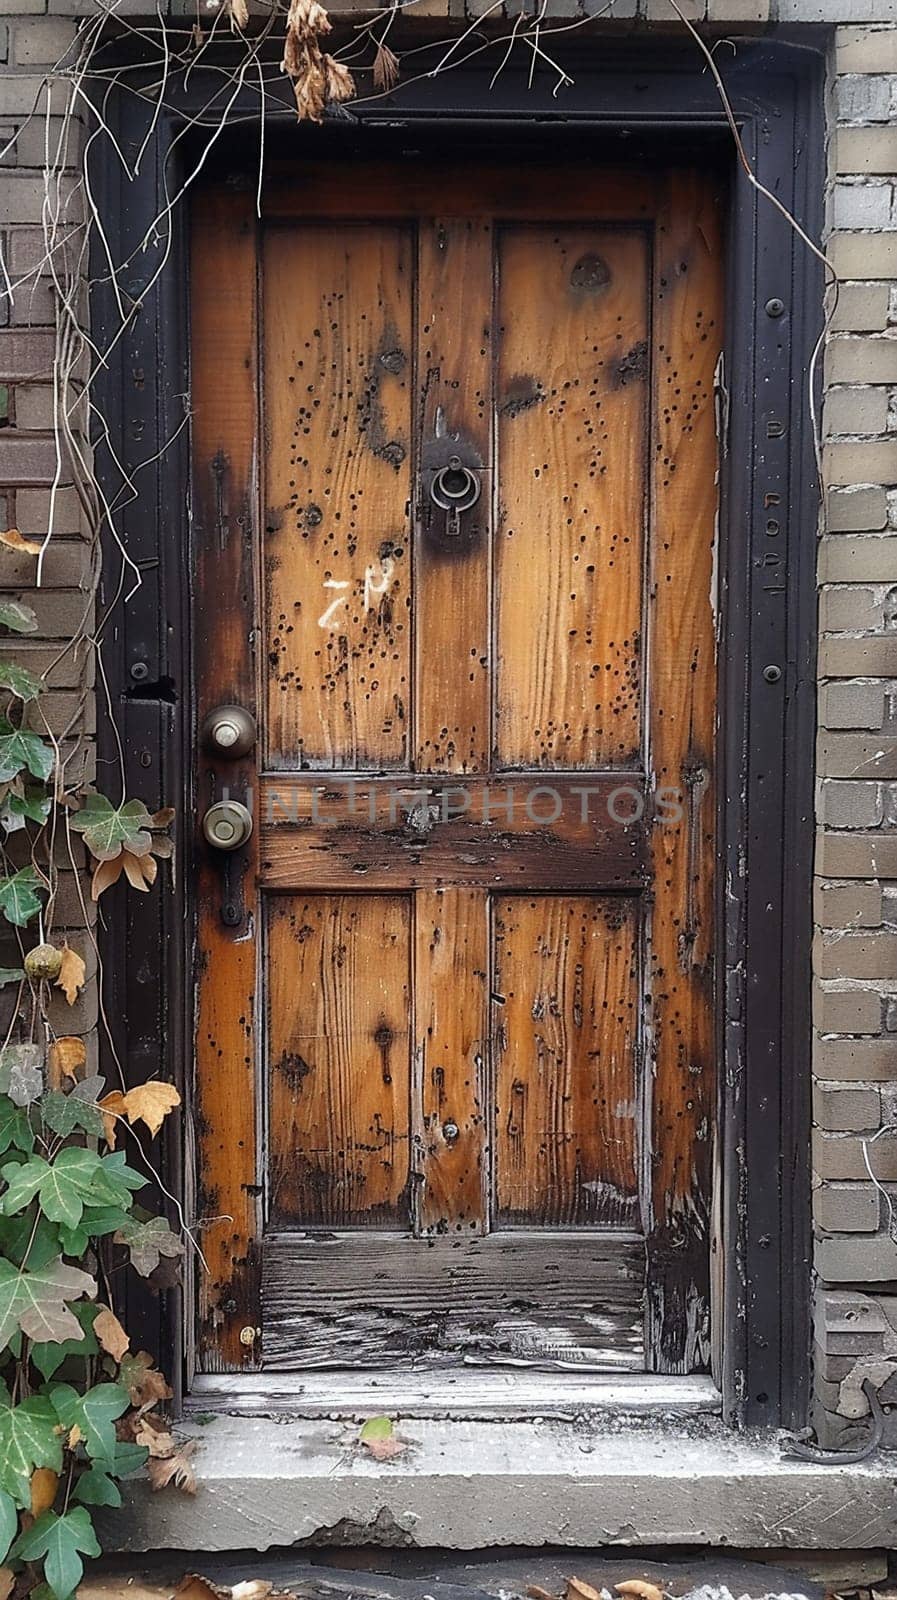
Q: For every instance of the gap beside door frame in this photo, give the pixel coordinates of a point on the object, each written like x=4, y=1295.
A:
x=620, y=100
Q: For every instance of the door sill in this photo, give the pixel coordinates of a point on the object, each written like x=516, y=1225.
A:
x=452, y=1393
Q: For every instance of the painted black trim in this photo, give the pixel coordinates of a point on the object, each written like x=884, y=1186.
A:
x=625, y=100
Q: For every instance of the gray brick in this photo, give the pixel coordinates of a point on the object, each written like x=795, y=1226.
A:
x=25, y=355
x=847, y=704
x=862, y=307
x=66, y=566
x=738, y=11
x=34, y=305
x=862, y=205
x=863, y=255
x=856, y=755
x=857, y=955
x=44, y=41
x=28, y=250
x=856, y=1260
x=76, y=666
x=866, y=150
x=846, y=1010
x=848, y=905
x=60, y=613
x=842, y=609
x=843, y=655
x=857, y=510
x=33, y=512
x=856, y=410
x=850, y=805
x=874, y=461
x=866, y=49
x=856, y=1059
x=858, y=360
x=846, y=1208
x=839, y=1156
x=26, y=459
x=854, y=560
x=22, y=197
x=862, y=98
x=61, y=713
x=846, y=1110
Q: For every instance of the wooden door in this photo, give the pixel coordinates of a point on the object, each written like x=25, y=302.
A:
x=454, y=1048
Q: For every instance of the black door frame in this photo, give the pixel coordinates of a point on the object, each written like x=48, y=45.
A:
x=626, y=96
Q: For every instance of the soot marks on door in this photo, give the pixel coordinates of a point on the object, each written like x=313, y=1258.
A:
x=390, y=361
x=590, y=274
x=631, y=367
x=522, y=393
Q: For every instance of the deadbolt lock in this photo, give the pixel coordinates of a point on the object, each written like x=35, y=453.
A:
x=228, y=731
x=227, y=824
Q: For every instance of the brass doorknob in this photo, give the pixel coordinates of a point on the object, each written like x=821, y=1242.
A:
x=227, y=824
x=228, y=731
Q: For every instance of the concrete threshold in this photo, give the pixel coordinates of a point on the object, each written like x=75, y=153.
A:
x=593, y=1481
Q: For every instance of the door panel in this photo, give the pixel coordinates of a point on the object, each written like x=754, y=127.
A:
x=571, y=420
x=455, y=1012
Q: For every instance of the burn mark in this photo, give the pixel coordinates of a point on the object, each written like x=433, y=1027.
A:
x=294, y=1068
x=313, y=516
x=632, y=365
x=390, y=358
x=591, y=274
x=522, y=393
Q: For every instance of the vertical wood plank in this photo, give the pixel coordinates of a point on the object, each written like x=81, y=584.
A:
x=223, y=313
x=571, y=397
x=567, y=1010
x=338, y=991
x=688, y=335
x=451, y=976
x=452, y=572
x=337, y=309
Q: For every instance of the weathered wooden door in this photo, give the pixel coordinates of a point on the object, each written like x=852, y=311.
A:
x=454, y=508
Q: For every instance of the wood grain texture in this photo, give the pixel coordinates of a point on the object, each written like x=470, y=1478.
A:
x=337, y=980
x=688, y=322
x=566, y=1017
x=380, y=835
x=542, y=1299
x=571, y=414
x=452, y=1055
x=337, y=416
x=452, y=599
x=225, y=499
x=525, y=191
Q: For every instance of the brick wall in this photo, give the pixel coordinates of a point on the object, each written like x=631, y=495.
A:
x=855, y=988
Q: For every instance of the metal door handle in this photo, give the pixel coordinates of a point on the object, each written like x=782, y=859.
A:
x=228, y=731
x=227, y=825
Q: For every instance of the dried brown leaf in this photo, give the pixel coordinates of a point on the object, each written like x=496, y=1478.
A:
x=536, y=1592
x=44, y=1483
x=7, y=1583
x=144, y=1384
x=160, y=1445
x=253, y=1589
x=107, y=873
x=71, y=973
x=66, y=1058
x=112, y=1106
x=239, y=13
x=14, y=540
x=111, y=1334
x=177, y=1470
x=639, y=1589
x=386, y=67
x=195, y=1587
x=150, y=1103
x=340, y=84
x=163, y=818
x=578, y=1589
x=134, y=872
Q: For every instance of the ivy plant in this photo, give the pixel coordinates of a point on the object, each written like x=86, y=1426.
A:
x=78, y=1408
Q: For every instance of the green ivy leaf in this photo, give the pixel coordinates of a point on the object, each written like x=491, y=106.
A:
x=146, y=1242
x=19, y=681
x=96, y=1223
x=11, y=975
x=64, y=1186
x=59, y=1541
x=16, y=1131
x=21, y=1075
x=48, y=1358
x=20, y=618
x=376, y=1428
x=9, y=1522
x=19, y=896
x=96, y=1488
x=35, y=1300
x=109, y=829
x=95, y=1413
x=63, y=1113
x=23, y=751
x=28, y=1439
x=33, y=804
x=29, y=1235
